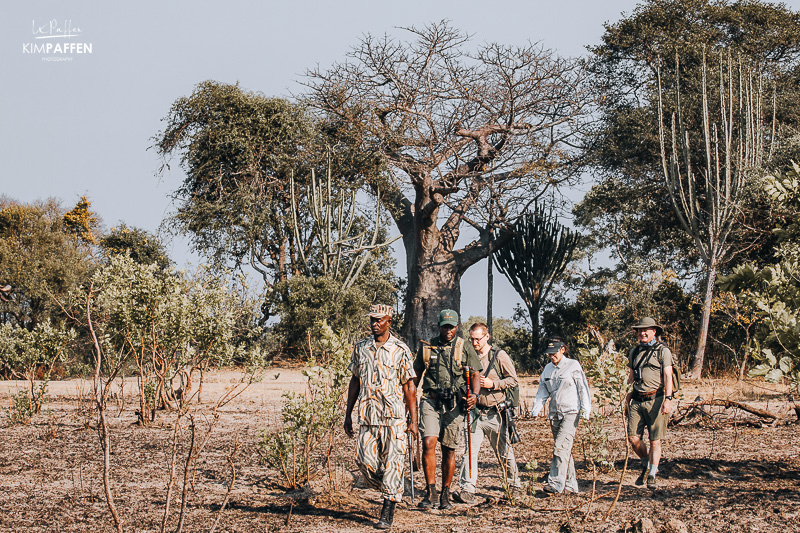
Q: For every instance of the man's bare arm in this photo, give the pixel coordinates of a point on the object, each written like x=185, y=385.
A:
x=352, y=395
x=410, y=397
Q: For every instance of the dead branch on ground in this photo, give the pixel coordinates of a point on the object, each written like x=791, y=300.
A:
x=694, y=409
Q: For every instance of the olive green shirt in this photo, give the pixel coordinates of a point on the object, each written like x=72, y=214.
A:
x=443, y=370
x=654, y=359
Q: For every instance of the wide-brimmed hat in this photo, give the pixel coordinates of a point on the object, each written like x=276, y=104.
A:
x=646, y=323
x=448, y=317
x=380, y=311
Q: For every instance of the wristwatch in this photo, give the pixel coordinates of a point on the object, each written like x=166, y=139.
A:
x=668, y=397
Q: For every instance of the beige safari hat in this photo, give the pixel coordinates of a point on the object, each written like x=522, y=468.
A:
x=648, y=322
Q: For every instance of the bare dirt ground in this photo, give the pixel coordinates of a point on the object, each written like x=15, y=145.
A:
x=724, y=471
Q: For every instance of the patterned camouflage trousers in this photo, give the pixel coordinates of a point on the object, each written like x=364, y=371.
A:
x=381, y=457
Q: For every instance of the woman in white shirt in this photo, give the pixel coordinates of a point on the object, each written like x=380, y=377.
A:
x=564, y=384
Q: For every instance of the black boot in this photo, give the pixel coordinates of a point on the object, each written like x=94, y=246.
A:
x=444, y=499
x=387, y=515
x=430, y=497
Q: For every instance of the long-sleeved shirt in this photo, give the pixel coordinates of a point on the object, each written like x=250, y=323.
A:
x=497, y=394
x=566, y=387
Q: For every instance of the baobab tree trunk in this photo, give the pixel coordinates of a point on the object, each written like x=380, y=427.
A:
x=432, y=287
x=697, y=364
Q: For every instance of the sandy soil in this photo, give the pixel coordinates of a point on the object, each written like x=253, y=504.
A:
x=724, y=471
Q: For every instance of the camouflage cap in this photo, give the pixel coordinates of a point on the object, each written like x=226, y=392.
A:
x=448, y=317
x=380, y=311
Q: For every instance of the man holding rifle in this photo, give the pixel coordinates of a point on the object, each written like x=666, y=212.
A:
x=489, y=419
x=444, y=361
x=384, y=385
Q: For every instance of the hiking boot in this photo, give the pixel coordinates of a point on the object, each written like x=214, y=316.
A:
x=444, y=499
x=651, y=482
x=463, y=497
x=430, y=497
x=550, y=490
x=640, y=480
x=387, y=515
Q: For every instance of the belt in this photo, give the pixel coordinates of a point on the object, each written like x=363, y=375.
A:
x=646, y=396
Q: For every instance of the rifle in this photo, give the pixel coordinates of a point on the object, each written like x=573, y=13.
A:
x=411, y=463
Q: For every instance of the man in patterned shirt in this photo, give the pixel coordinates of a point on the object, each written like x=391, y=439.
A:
x=383, y=384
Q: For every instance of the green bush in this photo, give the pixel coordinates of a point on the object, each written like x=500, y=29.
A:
x=304, y=302
x=608, y=373
x=303, y=443
x=773, y=291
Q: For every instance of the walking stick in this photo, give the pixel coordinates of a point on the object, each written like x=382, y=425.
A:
x=467, y=425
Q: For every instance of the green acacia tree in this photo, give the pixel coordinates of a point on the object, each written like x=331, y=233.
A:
x=250, y=198
x=238, y=150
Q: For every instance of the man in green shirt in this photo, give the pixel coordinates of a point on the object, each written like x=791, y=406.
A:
x=444, y=361
x=649, y=404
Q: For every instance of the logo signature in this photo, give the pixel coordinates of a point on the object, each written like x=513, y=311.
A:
x=55, y=29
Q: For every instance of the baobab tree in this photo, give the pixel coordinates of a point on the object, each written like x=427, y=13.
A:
x=470, y=137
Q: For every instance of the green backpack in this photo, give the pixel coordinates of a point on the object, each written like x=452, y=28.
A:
x=512, y=393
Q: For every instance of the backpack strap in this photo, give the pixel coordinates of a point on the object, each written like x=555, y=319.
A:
x=491, y=362
x=648, y=353
x=458, y=352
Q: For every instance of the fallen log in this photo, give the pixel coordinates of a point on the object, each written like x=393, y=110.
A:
x=728, y=404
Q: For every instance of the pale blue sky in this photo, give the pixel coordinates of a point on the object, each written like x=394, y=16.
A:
x=82, y=127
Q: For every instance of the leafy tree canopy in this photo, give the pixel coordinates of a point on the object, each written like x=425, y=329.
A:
x=40, y=258
x=774, y=289
x=628, y=209
x=139, y=244
x=241, y=152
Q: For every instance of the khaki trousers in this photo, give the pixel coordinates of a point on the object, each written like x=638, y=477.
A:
x=562, y=467
x=489, y=424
